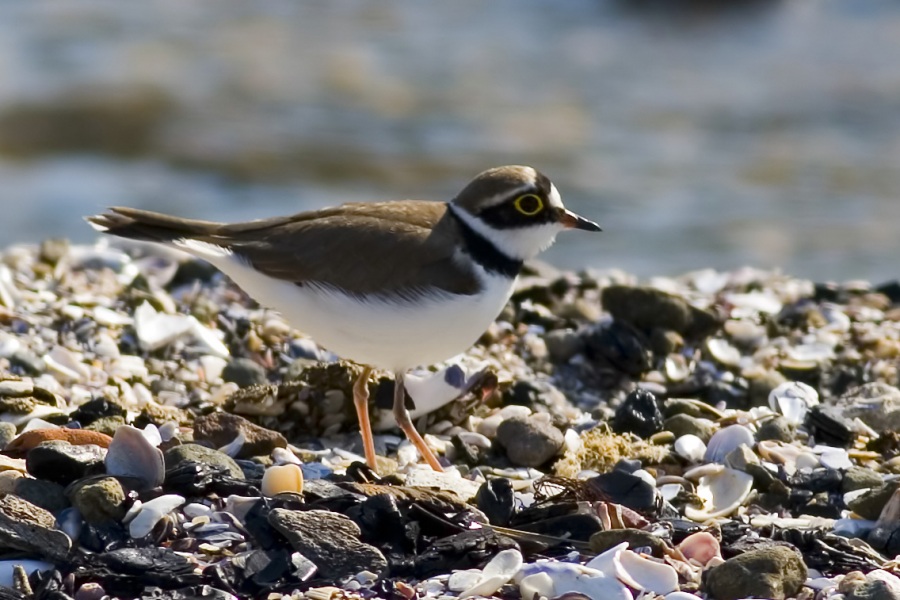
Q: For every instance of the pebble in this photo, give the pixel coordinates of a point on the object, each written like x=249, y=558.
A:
x=529, y=441
x=61, y=462
x=203, y=455
x=329, y=540
x=774, y=572
x=221, y=428
x=99, y=500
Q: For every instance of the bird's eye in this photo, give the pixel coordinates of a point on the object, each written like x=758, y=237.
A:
x=529, y=204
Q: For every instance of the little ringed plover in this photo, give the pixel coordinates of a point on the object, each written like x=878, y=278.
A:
x=389, y=285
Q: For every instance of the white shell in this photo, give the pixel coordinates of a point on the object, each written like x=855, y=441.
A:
x=725, y=440
x=151, y=513
x=537, y=585
x=793, y=399
x=463, y=580
x=498, y=571
x=132, y=455
x=690, y=447
x=835, y=458
x=722, y=493
x=723, y=352
x=651, y=576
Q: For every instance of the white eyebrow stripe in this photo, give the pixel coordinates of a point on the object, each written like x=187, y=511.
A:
x=508, y=194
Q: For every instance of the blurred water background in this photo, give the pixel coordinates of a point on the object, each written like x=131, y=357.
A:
x=699, y=134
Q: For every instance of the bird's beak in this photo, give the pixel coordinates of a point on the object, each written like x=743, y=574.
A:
x=572, y=221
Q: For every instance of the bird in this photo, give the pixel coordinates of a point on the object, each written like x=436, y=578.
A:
x=389, y=285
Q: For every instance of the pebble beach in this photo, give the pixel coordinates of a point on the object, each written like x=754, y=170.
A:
x=716, y=435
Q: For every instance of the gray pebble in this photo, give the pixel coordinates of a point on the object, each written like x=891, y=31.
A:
x=328, y=539
x=529, y=441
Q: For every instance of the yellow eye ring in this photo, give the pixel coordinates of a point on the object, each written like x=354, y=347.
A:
x=529, y=204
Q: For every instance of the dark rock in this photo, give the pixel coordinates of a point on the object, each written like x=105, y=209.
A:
x=624, y=488
x=829, y=426
x=620, y=346
x=48, y=495
x=330, y=540
x=99, y=500
x=775, y=572
x=126, y=571
x=203, y=455
x=778, y=429
x=636, y=538
x=190, y=478
x=646, y=308
x=817, y=480
x=496, y=500
x=30, y=529
x=244, y=372
x=529, y=441
x=466, y=550
x=577, y=526
x=61, y=462
x=638, y=414
x=95, y=409
x=221, y=428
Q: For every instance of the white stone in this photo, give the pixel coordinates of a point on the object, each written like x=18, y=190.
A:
x=152, y=512
x=690, y=447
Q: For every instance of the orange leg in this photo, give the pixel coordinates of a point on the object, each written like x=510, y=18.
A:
x=405, y=423
x=361, y=401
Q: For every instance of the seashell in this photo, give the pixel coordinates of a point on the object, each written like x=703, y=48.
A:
x=754, y=302
x=690, y=447
x=835, y=458
x=110, y=318
x=233, y=447
x=568, y=578
x=282, y=478
x=132, y=455
x=152, y=512
x=66, y=364
x=681, y=596
x=650, y=575
x=463, y=580
x=497, y=572
x=793, y=399
x=157, y=330
x=723, y=352
x=725, y=440
x=537, y=585
x=700, y=547
x=722, y=493
x=783, y=454
x=195, y=509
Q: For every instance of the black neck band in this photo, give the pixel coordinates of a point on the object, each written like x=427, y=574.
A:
x=483, y=251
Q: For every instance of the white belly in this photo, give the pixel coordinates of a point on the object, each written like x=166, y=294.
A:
x=391, y=336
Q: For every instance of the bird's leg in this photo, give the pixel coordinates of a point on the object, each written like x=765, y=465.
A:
x=361, y=401
x=405, y=423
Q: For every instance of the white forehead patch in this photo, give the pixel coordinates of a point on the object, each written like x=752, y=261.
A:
x=554, y=197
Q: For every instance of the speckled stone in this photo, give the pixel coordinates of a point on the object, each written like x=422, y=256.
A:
x=203, y=455
x=99, y=500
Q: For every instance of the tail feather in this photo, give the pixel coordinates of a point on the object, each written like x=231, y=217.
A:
x=147, y=226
